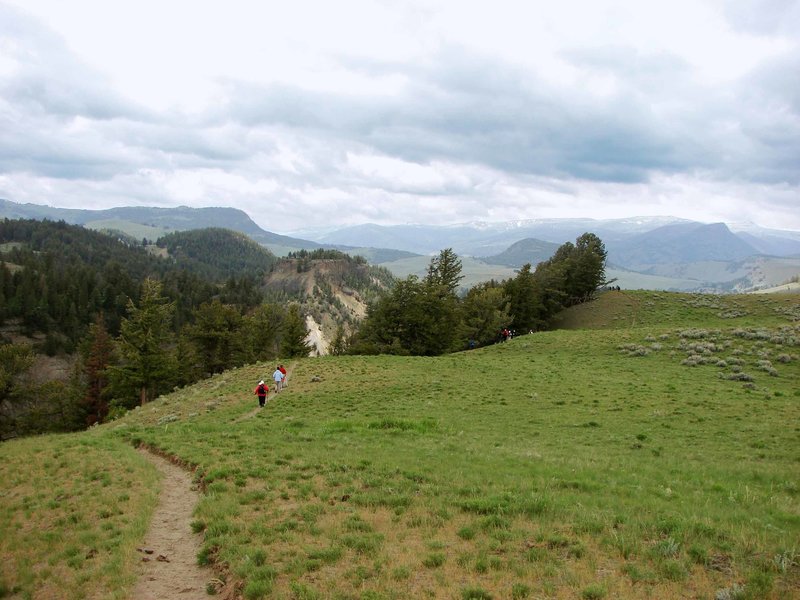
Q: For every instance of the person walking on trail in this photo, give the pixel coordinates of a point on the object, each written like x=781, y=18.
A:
x=278, y=377
x=284, y=383
x=261, y=391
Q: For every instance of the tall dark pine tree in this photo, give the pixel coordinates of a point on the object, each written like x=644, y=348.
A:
x=445, y=270
x=217, y=334
x=441, y=304
x=484, y=312
x=262, y=330
x=294, y=342
x=99, y=353
x=589, y=269
x=148, y=365
x=15, y=359
x=524, y=300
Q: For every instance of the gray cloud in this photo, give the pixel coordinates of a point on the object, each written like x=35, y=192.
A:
x=764, y=16
x=467, y=132
x=472, y=110
x=51, y=81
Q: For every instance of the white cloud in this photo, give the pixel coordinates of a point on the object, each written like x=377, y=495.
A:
x=433, y=112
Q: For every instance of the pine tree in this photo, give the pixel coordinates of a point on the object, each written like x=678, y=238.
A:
x=217, y=333
x=99, y=355
x=262, y=330
x=445, y=270
x=340, y=342
x=484, y=312
x=589, y=271
x=523, y=300
x=294, y=334
x=15, y=359
x=148, y=364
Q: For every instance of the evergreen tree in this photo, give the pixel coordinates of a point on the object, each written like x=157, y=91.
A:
x=15, y=360
x=550, y=290
x=5, y=290
x=294, y=342
x=217, y=333
x=262, y=332
x=589, y=270
x=484, y=312
x=340, y=343
x=524, y=301
x=188, y=359
x=416, y=318
x=98, y=356
x=147, y=362
x=445, y=270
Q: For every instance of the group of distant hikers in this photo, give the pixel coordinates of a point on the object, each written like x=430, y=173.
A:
x=262, y=389
x=506, y=334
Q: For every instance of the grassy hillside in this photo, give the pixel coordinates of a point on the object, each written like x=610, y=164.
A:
x=137, y=231
x=636, y=308
x=650, y=452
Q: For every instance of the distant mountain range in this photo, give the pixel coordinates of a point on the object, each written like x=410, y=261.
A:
x=648, y=252
x=643, y=252
x=152, y=223
x=161, y=220
x=621, y=236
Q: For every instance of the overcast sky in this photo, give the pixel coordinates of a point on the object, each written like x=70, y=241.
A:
x=318, y=113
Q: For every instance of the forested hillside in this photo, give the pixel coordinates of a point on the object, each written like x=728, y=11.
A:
x=217, y=254
x=134, y=324
x=130, y=324
x=57, y=278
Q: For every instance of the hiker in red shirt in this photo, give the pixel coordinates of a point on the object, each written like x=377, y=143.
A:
x=261, y=391
x=283, y=372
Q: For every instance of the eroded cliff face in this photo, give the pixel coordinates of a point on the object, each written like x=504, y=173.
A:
x=331, y=293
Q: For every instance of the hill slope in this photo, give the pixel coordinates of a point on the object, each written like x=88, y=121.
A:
x=159, y=221
x=217, y=253
x=680, y=243
x=529, y=250
x=646, y=460
x=333, y=290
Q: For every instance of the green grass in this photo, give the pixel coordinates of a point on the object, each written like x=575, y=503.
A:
x=564, y=464
x=72, y=509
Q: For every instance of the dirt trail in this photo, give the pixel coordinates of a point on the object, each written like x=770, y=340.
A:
x=169, y=569
x=171, y=572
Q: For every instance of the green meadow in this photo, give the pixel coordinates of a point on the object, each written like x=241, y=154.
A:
x=649, y=448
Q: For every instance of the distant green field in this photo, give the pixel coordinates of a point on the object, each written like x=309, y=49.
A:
x=135, y=230
x=651, y=450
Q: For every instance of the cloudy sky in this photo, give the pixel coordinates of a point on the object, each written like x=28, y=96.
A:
x=313, y=113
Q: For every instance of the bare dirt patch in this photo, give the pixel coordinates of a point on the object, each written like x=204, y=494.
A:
x=168, y=552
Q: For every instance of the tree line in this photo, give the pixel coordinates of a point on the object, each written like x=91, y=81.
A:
x=426, y=316
x=137, y=324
